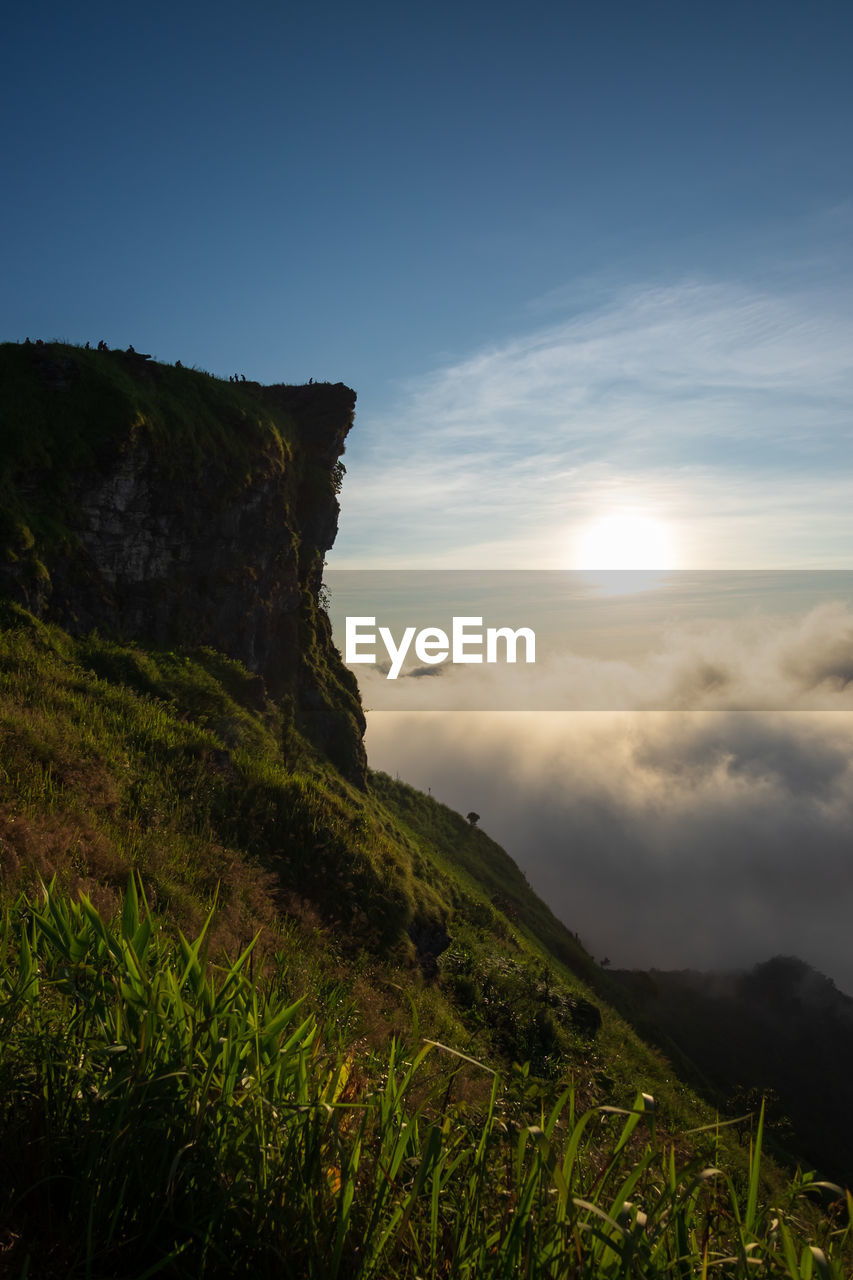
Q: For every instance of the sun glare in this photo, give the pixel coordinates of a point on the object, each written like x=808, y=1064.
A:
x=624, y=542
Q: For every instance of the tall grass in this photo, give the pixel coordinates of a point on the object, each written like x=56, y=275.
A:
x=160, y=1114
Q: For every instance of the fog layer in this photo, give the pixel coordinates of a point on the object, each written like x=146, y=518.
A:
x=668, y=839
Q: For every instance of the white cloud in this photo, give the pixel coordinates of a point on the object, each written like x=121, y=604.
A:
x=705, y=840
x=705, y=837
x=740, y=652
x=724, y=408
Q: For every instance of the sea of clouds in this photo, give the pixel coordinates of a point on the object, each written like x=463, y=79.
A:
x=693, y=837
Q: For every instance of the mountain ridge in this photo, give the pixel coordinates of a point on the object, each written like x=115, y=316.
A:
x=760, y=1031
x=231, y=794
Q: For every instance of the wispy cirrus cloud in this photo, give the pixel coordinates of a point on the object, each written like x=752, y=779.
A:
x=722, y=408
x=709, y=838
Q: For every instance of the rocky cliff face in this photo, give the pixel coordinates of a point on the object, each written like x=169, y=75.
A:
x=163, y=505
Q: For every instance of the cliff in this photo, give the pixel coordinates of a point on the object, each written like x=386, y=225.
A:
x=161, y=517
x=161, y=504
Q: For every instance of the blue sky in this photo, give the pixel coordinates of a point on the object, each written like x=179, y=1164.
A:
x=579, y=261
x=574, y=258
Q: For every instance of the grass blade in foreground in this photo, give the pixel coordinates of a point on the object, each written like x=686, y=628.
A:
x=170, y=1117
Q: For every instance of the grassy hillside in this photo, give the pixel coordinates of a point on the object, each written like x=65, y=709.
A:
x=173, y=764
x=262, y=1012
x=439, y=1102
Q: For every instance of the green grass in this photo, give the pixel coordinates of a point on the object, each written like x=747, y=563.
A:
x=173, y=771
x=165, y=762
x=62, y=405
x=164, y=1115
x=481, y=862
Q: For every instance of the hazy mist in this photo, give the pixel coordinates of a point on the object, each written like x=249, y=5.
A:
x=668, y=839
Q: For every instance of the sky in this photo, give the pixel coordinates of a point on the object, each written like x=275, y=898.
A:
x=604, y=247
x=583, y=264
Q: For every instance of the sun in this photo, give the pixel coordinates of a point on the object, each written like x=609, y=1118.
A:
x=625, y=541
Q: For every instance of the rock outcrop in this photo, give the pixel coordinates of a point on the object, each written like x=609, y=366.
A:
x=164, y=505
